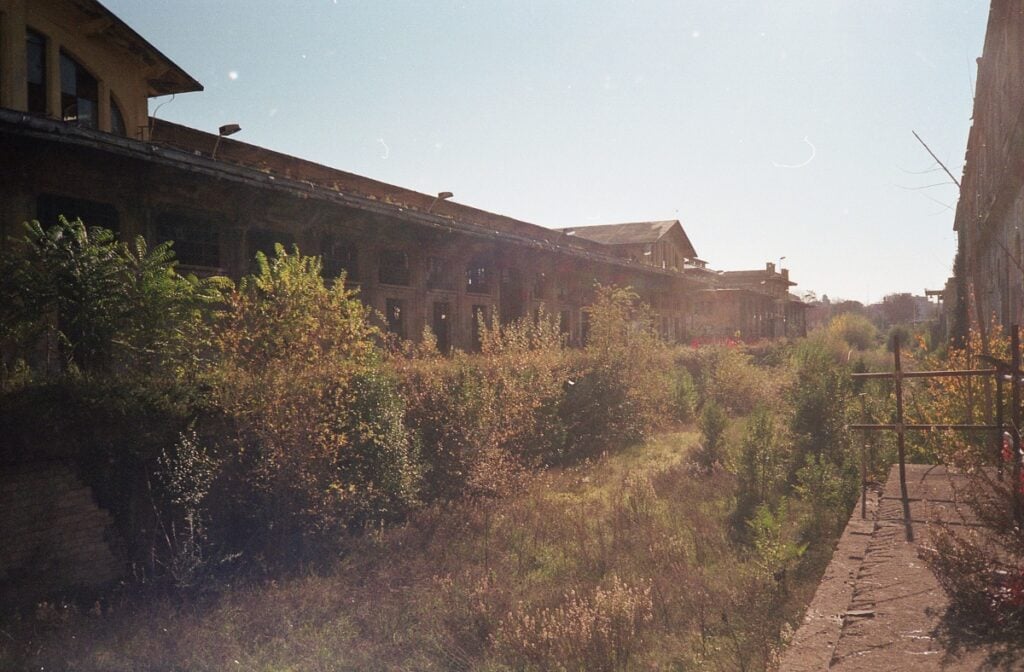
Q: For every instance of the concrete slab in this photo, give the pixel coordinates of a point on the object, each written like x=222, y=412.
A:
x=892, y=613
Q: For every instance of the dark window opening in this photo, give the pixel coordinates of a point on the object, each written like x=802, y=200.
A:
x=584, y=327
x=442, y=326
x=92, y=213
x=439, y=274
x=564, y=325
x=481, y=316
x=79, y=93
x=35, y=53
x=117, y=123
x=338, y=256
x=540, y=286
x=393, y=267
x=264, y=240
x=395, y=314
x=196, y=238
x=478, y=276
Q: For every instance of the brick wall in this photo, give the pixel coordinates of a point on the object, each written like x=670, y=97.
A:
x=54, y=535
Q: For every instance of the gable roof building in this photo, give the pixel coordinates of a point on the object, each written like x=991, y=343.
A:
x=76, y=139
x=663, y=244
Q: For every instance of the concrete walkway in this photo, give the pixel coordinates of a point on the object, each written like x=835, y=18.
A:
x=878, y=606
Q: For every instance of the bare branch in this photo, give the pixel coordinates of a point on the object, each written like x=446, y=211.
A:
x=955, y=181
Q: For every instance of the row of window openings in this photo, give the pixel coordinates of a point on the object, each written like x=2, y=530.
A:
x=197, y=243
x=79, y=90
x=442, y=317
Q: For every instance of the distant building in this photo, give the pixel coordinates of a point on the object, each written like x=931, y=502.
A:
x=749, y=304
x=75, y=139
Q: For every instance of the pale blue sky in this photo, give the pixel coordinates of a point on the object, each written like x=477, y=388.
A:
x=773, y=128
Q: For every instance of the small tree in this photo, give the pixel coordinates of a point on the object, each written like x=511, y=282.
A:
x=713, y=421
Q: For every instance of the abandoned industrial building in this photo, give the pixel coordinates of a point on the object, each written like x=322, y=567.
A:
x=988, y=280
x=76, y=139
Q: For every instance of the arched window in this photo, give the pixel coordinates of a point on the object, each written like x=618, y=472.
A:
x=79, y=93
x=35, y=53
x=117, y=125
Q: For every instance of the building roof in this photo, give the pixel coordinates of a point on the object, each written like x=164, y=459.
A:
x=173, y=147
x=167, y=77
x=756, y=276
x=633, y=233
x=624, y=234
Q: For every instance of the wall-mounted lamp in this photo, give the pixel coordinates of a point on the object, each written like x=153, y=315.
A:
x=441, y=196
x=223, y=132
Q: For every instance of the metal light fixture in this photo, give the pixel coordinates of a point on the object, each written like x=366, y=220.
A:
x=223, y=132
x=441, y=196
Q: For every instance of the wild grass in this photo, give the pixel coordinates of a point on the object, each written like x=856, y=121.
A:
x=624, y=562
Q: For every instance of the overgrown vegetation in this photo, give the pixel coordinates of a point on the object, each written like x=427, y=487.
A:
x=317, y=496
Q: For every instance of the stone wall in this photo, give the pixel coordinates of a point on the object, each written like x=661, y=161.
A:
x=54, y=535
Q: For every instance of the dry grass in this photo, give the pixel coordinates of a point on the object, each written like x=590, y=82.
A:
x=623, y=563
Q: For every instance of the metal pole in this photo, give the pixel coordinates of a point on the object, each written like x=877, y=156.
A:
x=1015, y=419
x=901, y=437
x=1000, y=421
x=863, y=461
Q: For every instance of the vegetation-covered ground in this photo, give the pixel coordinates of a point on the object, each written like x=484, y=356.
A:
x=295, y=490
x=626, y=562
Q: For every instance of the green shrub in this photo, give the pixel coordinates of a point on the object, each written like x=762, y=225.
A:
x=853, y=331
x=482, y=417
x=620, y=388
x=762, y=460
x=729, y=378
x=713, y=421
x=684, y=395
x=312, y=423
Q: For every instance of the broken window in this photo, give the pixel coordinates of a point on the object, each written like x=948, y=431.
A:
x=340, y=255
x=394, y=311
x=92, y=213
x=439, y=274
x=196, y=238
x=481, y=315
x=79, y=93
x=442, y=326
x=540, y=285
x=393, y=267
x=35, y=53
x=564, y=325
x=263, y=240
x=478, y=276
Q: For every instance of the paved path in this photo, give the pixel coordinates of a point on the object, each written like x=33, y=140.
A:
x=878, y=606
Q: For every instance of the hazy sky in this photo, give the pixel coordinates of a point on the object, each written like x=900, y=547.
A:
x=770, y=129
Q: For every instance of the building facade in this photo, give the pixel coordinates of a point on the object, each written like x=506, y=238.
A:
x=75, y=139
x=988, y=282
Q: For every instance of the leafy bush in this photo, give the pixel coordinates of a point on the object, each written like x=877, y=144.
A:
x=684, y=395
x=729, y=378
x=315, y=431
x=713, y=421
x=762, y=462
x=90, y=303
x=853, y=331
x=482, y=418
x=620, y=388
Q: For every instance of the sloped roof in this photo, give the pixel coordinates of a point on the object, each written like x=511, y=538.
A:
x=623, y=234
x=760, y=275
x=632, y=233
x=167, y=76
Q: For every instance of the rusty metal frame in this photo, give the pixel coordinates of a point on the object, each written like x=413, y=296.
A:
x=1001, y=372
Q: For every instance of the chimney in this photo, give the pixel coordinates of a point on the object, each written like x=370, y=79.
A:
x=785, y=274
x=769, y=267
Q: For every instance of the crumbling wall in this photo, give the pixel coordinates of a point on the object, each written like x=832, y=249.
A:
x=54, y=536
